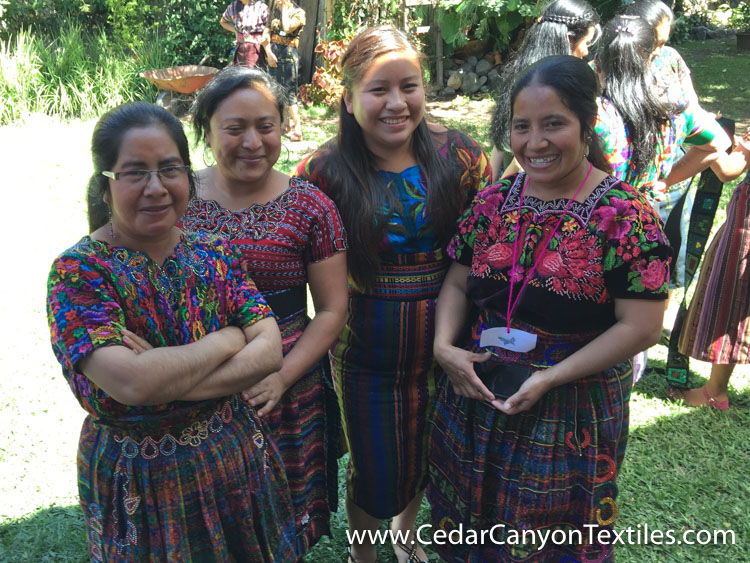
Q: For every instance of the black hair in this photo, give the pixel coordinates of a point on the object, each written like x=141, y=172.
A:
x=360, y=193
x=105, y=148
x=627, y=44
x=226, y=82
x=561, y=22
x=652, y=11
x=577, y=86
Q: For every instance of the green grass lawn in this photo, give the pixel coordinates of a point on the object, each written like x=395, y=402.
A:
x=685, y=469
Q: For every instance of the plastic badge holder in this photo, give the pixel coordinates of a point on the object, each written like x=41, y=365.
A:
x=503, y=380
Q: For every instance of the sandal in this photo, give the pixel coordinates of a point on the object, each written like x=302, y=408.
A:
x=296, y=136
x=679, y=395
x=411, y=552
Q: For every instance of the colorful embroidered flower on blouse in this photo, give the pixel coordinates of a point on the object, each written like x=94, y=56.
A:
x=617, y=218
x=655, y=275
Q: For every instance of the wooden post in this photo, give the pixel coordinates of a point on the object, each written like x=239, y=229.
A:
x=434, y=26
x=438, y=54
x=314, y=17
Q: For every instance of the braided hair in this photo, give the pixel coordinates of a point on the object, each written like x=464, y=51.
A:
x=563, y=22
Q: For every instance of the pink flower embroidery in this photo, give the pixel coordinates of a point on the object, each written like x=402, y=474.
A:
x=500, y=255
x=654, y=275
x=617, y=218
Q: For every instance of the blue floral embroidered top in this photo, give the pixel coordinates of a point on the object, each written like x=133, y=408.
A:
x=94, y=290
x=610, y=246
x=408, y=229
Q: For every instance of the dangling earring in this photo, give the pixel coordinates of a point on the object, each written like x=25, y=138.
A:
x=588, y=147
x=112, y=233
x=206, y=160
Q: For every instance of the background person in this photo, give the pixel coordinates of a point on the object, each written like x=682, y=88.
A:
x=641, y=129
x=400, y=185
x=247, y=19
x=673, y=84
x=568, y=255
x=717, y=329
x=286, y=23
x=290, y=236
x=157, y=331
x=566, y=27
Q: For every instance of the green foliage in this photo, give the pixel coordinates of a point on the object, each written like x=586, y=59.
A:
x=740, y=18
x=132, y=21
x=325, y=87
x=46, y=17
x=683, y=25
x=495, y=20
x=351, y=16
x=191, y=32
x=77, y=74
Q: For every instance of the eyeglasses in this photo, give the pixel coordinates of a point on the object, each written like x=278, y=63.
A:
x=166, y=175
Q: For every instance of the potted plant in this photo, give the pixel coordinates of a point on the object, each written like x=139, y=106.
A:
x=739, y=20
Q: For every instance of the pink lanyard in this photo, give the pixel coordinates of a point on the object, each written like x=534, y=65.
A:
x=513, y=304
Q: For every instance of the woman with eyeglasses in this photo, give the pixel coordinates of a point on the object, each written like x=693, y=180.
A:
x=566, y=27
x=157, y=331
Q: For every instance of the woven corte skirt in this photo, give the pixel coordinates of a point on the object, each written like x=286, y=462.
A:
x=202, y=484
x=384, y=374
x=717, y=328
x=546, y=472
x=299, y=427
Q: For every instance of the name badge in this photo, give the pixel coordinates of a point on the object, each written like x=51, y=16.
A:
x=516, y=340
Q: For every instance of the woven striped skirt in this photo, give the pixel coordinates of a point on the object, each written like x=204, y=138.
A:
x=299, y=426
x=384, y=374
x=717, y=328
x=550, y=470
x=207, y=487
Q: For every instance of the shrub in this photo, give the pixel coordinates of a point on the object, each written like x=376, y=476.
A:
x=325, y=87
x=78, y=74
x=495, y=20
x=192, y=32
x=46, y=17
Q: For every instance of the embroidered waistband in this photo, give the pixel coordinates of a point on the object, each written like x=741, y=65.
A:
x=191, y=433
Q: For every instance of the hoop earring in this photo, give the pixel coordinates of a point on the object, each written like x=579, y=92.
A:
x=206, y=160
x=288, y=154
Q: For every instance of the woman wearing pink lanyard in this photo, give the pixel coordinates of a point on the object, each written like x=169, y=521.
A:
x=560, y=273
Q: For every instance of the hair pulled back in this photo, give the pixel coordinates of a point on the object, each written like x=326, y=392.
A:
x=105, y=149
x=652, y=11
x=627, y=43
x=577, y=86
x=562, y=22
x=226, y=82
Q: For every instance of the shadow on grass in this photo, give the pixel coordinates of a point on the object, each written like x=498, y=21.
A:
x=687, y=471
x=654, y=384
x=55, y=535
